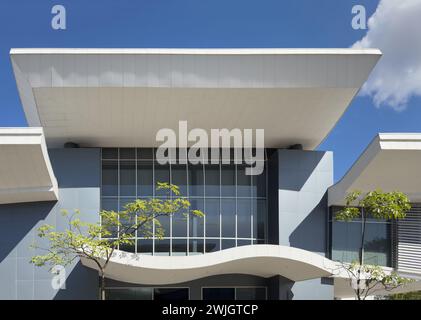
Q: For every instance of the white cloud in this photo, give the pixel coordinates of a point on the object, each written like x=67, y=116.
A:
x=395, y=28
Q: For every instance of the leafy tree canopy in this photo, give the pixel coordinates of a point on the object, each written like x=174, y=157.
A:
x=376, y=204
x=98, y=241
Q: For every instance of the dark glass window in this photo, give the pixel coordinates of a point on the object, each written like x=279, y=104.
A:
x=162, y=247
x=227, y=243
x=127, y=178
x=162, y=174
x=196, y=180
x=145, y=153
x=244, y=209
x=179, y=246
x=127, y=247
x=243, y=243
x=165, y=225
x=169, y=294
x=218, y=294
x=196, y=224
x=243, y=182
x=110, y=204
x=212, y=181
x=234, y=203
x=212, y=245
x=212, y=217
x=129, y=294
x=130, y=220
x=109, y=178
x=145, y=184
x=124, y=202
x=214, y=154
x=377, y=245
x=128, y=153
x=196, y=246
x=145, y=246
x=179, y=177
x=110, y=153
x=250, y=293
x=227, y=180
x=259, y=219
x=179, y=225
x=259, y=184
x=346, y=241
x=228, y=217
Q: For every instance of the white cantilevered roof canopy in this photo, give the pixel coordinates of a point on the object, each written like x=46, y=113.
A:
x=25, y=169
x=391, y=162
x=122, y=97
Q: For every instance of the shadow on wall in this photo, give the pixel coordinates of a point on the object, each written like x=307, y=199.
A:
x=18, y=224
x=69, y=171
x=311, y=233
x=18, y=229
x=296, y=167
x=304, y=178
x=81, y=280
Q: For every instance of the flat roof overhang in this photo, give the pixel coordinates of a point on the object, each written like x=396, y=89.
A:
x=260, y=260
x=122, y=97
x=391, y=162
x=26, y=174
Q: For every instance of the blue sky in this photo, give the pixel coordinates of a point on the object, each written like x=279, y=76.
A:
x=204, y=23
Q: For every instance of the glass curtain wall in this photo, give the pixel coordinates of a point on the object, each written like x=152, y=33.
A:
x=235, y=204
x=345, y=240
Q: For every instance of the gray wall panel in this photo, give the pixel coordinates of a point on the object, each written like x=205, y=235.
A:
x=300, y=201
x=314, y=289
x=304, y=177
x=78, y=175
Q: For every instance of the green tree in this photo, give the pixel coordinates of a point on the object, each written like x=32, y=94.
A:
x=92, y=240
x=366, y=279
x=415, y=295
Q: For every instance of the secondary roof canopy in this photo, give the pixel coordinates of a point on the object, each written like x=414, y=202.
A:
x=25, y=168
x=391, y=162
x=122, y=97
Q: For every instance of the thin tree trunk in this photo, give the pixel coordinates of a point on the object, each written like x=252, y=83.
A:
x=361, y=253
x=364, y=220
x=101, y=285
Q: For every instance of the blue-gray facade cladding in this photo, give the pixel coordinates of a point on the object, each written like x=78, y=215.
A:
x=78, y=175
x=298, y=181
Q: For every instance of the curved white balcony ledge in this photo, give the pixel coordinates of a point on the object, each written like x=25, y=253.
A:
x=260, y=260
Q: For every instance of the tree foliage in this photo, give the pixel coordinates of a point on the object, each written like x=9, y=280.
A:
x=98, y=241
x=367, y=279
x=375, y=204
x=415, y=295
x=379, y=205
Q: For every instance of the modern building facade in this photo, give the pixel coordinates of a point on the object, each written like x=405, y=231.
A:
x=90, y=144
